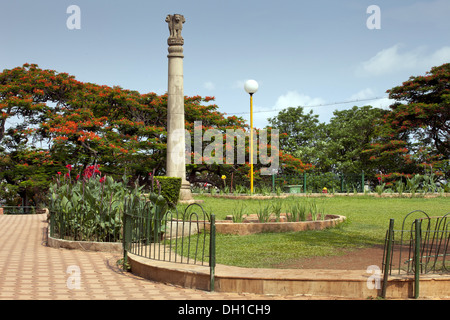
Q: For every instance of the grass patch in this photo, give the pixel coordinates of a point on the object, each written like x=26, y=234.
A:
x=367, y=221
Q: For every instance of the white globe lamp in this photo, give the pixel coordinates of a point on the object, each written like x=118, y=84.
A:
x=251, y=86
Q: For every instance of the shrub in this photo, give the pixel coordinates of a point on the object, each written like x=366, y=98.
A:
x=168, y=187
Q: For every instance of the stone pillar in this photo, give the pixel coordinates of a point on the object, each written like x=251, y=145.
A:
x=176, y=165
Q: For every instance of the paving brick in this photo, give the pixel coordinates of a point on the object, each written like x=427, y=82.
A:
x=29, y=270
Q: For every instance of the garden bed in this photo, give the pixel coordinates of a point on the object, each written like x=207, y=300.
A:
x=251, y=225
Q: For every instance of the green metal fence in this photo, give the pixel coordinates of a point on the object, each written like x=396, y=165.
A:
x=81, y=224
x=180, y=237
x=314, y=182
x=420, y=246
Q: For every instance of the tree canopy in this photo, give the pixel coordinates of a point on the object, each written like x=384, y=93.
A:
x=415, y=134
x=50, y=120
x=412, y=136
x=331, y=147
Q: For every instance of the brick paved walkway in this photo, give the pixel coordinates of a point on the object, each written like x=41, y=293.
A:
x=30, y=270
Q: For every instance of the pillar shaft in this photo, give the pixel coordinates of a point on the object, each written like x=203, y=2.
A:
x=176, y=165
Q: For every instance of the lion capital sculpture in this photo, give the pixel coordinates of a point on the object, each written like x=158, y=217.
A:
x=175, y=26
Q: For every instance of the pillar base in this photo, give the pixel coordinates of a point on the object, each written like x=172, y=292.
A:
x=186, y=194
x=185, y=191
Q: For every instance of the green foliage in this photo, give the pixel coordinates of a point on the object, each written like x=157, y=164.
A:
x=429, y=183
x=380, y=188
x=350, y=132
x=409, y=138
x=239, y=211
x=300, y=131
x=423, y=109
x=297, y=211
x=399, y=187
x=8, y=192
x=331, y=147
x=413, y=183
x=91, y=208
x=88, y=208
x=168, y=187
x=263, y=212
x=82, y=123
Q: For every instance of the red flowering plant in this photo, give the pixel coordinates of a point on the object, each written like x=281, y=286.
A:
x=91, y=207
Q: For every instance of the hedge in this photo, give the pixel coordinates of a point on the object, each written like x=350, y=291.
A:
x=170, y=188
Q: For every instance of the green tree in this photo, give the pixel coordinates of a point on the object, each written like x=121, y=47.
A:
x=350, y=132
x=301, y=134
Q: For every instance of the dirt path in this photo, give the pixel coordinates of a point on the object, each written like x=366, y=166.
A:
x=357, y=259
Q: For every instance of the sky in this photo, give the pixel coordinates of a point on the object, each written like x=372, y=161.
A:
x=322, y=55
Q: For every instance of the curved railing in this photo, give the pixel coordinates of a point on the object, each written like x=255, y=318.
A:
x=420, y=246
x=172, y=236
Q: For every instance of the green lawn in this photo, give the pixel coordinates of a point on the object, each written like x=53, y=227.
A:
x=367, y=221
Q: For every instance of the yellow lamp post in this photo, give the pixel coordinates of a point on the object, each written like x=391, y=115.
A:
x=251, y=86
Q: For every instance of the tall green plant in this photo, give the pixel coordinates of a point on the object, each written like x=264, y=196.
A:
x=298, y=212
x=413, y=183
x=91, y=207
x=380, y=188
x=429, y=183
x=277, y=207
x=238, y=212
x=263, y=212
x=399, y=187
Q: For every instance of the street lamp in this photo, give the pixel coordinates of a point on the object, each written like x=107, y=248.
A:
x=251, y=86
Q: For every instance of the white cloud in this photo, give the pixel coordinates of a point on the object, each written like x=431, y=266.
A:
x=388, y=61
x=290, y=99
x=295, y=99
x=441, y=56
x=383, y=103
x=209, y=85
x=392, y=60
x=366, y=93
x=238, y=84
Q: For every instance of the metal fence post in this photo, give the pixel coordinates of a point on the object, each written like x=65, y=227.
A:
x=52, y=223
x=126, y=237
x=362, y=181
x=304, y=182
x=418, y=226
x=212, y=251
x=388, y=258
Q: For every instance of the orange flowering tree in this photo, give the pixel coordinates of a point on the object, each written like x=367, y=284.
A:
x=50, y=120
x=416, y=132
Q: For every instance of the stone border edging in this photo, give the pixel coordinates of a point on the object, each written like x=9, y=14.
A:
x=85, y=245
x=247, y=228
